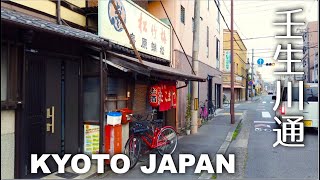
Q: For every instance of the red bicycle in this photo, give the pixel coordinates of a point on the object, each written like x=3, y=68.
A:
x=148, y=135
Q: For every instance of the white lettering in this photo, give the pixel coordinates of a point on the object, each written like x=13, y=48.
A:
x=114, y=165
x=221, y=161
x=100, y=161
x=86, y=163
x=152, y=165
x=61, y=162
x=183, y=163
x=36, y=163
x=163, y=165
x=204, y=158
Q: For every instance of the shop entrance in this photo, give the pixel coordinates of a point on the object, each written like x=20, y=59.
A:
x=51, y=110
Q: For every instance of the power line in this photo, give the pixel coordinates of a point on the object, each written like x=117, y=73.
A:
x=178, y=38
x=226, y=24
x=261, y=37
x=233, y=21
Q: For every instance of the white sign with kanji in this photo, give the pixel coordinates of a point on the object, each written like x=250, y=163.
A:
x=150, y=35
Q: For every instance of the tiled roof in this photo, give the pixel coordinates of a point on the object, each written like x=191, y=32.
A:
x=30, y=21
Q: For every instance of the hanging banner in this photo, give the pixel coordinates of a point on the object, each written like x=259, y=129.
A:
x=149, y=34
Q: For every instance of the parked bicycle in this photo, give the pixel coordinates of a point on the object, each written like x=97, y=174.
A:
x=226, y=102
x=204, y=112
x=147, y=135
x=212, y=108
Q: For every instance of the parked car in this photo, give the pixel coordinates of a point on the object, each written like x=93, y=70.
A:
x=270, y=92
x=310, y=104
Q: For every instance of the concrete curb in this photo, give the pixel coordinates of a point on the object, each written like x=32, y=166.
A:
x=225, y=145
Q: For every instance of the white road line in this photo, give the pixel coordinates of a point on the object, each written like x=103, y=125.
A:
x=271, y=102
x=268, y=122
x=261, y=109
x=264, y=102
x=266, y=114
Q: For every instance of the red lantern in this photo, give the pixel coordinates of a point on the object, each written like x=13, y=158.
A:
x=154, y=99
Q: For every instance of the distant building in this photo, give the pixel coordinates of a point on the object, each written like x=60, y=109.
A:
x=310, y=52
x=240, y=61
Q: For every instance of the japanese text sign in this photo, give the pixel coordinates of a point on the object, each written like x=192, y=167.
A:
x=150, y=35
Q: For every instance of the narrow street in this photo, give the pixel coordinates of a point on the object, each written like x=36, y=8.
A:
x=257, y=158
x=264, y=161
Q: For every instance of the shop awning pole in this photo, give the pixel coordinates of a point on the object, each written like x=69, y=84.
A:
x=101, y=105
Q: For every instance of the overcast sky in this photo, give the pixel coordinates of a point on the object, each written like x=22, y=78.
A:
x=254, y=19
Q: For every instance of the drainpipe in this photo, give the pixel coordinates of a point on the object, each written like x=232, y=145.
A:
x=58, y=12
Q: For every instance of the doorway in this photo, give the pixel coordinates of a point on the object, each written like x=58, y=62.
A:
x=210, y=104
x=218, y=95
x=51, y=113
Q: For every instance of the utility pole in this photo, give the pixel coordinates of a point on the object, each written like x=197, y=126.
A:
x=252, y=75
x=195, y=65
x=308, y=48
x=232, y=70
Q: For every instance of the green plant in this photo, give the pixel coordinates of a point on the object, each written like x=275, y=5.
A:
x=188, y=112
x=236, y=132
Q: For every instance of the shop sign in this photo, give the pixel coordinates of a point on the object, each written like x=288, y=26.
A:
x=227, y=61
x=149, y=34
x=239, y=79
x=91, y=139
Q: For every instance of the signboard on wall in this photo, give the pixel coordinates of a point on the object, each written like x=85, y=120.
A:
x=91, y=139
x=239, y=79
x=149, y=34
x=227, y=61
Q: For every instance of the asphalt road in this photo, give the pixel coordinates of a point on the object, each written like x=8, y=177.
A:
x=266, y=161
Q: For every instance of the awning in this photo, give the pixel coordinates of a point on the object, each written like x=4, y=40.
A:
x=24, y=20
x=151, y=69
x=235, y=86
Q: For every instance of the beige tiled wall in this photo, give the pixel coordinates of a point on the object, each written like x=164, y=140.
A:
x=7, y=144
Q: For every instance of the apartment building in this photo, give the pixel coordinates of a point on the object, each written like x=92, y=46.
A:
x=181, y=15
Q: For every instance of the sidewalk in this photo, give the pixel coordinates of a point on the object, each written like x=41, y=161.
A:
x=208, y=140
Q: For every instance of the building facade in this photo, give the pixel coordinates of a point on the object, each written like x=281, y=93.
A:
x=181, y=15
x=59, y=80
x=240, y=65
x=310, y=52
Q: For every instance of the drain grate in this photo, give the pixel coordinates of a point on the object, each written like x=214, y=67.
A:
x=67, y=175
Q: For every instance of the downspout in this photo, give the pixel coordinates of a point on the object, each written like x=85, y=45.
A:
x=58, y=11
x=101, y=122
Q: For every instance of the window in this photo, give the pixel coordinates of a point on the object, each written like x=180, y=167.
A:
x=4, y=72
x=237, y=69
x=91, y=99
x=217, y=53
x=182, y=14
x=11, y=72
x=310, y=94
x=207, y=41
x=218, y=16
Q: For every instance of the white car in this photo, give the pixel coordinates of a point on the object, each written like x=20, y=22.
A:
x=310, y=110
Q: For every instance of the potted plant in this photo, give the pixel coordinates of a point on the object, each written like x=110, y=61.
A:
x=188, y=115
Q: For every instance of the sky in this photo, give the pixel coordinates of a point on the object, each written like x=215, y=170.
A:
x=254, y=19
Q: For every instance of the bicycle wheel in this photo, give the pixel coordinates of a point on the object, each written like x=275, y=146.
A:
x=132, y=150
x=167, y=141
x=144, y=152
